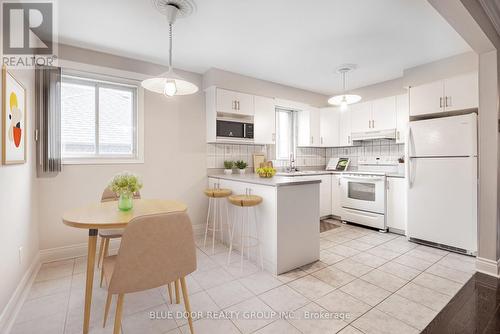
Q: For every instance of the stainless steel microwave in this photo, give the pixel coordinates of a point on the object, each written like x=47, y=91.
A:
x=234, y=129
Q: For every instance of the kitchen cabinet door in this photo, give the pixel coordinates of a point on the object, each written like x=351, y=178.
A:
x=427, y=99
x=231, y=102
x=396, y=203
x=329, y=127
x=309, y=127
x=345, y=138
x=384, y=114
x=360, y=116
x=461, y=92
x=325, y=195
x=264, y=121
x=336, y=207
x=402, y=117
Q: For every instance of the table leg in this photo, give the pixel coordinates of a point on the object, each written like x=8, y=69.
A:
x=90, y=278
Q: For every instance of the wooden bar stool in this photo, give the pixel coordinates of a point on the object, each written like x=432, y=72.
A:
x=216, y=200
x=243, y=204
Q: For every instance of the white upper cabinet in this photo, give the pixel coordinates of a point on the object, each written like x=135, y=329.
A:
x=309, y=127
x=426, y=99
x=231, y=102
x=264, y=120
x=461, y=92
x=360, y=116
x=345, y=137
x=402, y=117
x=383, y=114
x=457, y=93
x=329, y=127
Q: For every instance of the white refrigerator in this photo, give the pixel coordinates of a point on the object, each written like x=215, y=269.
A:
x=442, y=182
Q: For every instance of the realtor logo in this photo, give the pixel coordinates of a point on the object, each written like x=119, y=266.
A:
x=28, y=29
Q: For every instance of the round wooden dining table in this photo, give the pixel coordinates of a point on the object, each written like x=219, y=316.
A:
x=106, y=215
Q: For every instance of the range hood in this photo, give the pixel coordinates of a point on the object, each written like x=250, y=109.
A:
x=370, y=135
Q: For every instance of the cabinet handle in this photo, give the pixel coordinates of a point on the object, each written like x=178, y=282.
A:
x=397, y=135
x=446, y=99
x=440, y=102
x=274, y=137
x=373, y=124
x=349, y=139
x=234, y=105
x=369, y=124
x=238, y=104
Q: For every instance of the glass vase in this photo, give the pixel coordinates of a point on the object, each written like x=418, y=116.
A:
x=125, y=202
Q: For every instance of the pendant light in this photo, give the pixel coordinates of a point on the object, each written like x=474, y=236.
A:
x=171, y=84
x=344, y=99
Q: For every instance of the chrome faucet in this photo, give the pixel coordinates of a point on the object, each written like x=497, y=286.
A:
x=291, y=164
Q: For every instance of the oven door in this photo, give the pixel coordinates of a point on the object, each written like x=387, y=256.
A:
x=366, y=193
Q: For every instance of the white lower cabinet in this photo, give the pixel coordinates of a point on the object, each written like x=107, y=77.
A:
x=396, y=203
x=336, y=206
x=325, y=195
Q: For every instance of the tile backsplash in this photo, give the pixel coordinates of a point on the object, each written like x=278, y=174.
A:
x=306, y=156
x=218, y=153
x=373, y=148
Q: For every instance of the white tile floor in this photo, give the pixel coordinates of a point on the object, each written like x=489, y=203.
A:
x=366, y=282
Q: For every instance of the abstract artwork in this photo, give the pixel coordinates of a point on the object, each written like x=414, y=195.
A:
x=13, y=119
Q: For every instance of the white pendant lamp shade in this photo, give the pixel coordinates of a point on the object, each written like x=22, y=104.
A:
x=171, y=84
x=347, y=99
x=343, y=100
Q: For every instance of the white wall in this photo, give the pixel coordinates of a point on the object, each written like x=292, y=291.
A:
x=18, y=209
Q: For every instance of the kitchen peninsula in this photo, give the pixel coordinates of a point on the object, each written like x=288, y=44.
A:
x=288, y=217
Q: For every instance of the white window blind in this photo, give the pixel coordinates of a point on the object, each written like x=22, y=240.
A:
x=98, y=119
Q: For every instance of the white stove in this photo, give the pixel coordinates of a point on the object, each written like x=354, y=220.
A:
x=363, y=195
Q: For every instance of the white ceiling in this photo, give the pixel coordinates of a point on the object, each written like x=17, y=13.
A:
x=294, y=42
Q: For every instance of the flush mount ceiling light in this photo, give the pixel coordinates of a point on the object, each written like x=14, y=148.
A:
x=344, y=99
x=171, y=83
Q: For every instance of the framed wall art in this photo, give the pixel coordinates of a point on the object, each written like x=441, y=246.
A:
x=14, y=124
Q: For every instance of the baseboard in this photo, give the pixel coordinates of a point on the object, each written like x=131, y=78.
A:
x=488, y=267
x=9, y=313
x=72, y=251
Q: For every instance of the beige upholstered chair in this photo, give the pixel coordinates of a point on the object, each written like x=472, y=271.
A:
x=155, y=250
x=107, y=235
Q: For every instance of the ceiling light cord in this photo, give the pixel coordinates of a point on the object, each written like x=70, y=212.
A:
x=170, y=37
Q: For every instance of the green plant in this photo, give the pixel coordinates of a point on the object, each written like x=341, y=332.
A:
x=228, y=164
x=240, y=164
x=125, y=183
x=266, y=171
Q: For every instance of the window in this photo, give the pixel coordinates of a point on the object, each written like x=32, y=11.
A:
x=285, y=134
x=98, y=120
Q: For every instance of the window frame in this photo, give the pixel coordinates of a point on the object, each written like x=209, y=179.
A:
x=294, y=131
x=97, y=82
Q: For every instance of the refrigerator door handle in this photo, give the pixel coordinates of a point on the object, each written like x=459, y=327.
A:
x=410, y=169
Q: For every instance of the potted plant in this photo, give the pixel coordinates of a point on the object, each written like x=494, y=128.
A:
x=266, y=172
x=241, y=165
x=401, y=166
x=228, y=167
x=125, y=185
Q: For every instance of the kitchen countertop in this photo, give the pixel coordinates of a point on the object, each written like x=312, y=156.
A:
x=307, y=173
x=276, y=181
